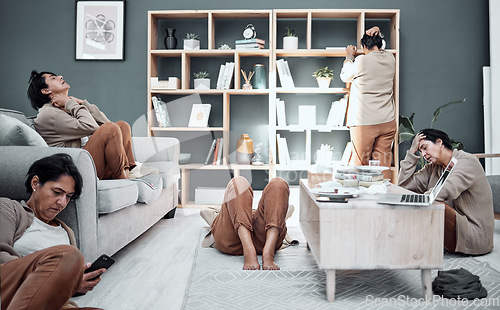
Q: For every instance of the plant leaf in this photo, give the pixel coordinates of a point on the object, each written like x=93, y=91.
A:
x=439, y=109
x=407, y=122
x=405, y=134
x=457, y=145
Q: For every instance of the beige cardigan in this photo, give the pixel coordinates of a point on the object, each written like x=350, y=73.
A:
x=15, y=218
x=65, y=128
x=467, y=190
x=370, y=99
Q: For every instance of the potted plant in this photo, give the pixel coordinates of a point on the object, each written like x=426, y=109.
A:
x=290, y=40
x=192, y=42
x=201, y=80
x=323, y=76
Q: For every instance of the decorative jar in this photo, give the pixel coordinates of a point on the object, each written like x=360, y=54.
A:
x=244, y=150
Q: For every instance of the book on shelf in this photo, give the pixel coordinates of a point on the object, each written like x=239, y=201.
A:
x=347, y=154
x=307, y=116
x=246, y=41
x=284, y=74
x=283, y=154
x=280, y=112
x=249, y=46
x=225, y=75
x=161, y=112
x=199, y=115
x=219, y=154
x=336, y=116
x=216, y=152
x=211, y=151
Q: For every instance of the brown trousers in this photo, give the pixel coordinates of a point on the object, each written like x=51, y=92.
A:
x=236, y=210
x=373, y=142
x=450, y=230
x=111, y=149
x=45, y=279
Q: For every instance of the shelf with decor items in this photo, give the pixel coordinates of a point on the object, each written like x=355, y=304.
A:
x=324, y=34
x=345, y=27
x=215, y=28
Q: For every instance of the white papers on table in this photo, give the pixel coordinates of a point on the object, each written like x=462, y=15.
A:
x=199, y=115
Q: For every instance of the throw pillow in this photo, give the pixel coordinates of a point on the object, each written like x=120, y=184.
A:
x=15, y=132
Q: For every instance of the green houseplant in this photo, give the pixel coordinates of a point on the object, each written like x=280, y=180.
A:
x=290, y=40
x=192, y=41
x=323, y=76
x=201, y=80
x=406, y=130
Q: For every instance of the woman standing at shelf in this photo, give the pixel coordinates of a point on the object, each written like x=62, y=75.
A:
x=371, y=116
x=468, y=215
x=66, y=121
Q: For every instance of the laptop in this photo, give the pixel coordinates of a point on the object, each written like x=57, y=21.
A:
x=420, y=200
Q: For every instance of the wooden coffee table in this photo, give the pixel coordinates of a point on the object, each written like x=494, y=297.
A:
x=362, y=234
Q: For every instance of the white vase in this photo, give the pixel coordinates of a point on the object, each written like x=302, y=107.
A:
x=290, y=43
x=201, y=83
x=191, y=44
x=323, y=82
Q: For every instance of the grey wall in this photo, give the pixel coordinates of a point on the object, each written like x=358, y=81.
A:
x=444, y=45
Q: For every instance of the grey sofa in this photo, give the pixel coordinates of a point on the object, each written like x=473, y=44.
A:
x=110, y=213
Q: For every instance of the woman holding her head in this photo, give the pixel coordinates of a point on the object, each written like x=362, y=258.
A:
x=41, y=267
x=371, y=114
x=469, y=218
x=66, y=121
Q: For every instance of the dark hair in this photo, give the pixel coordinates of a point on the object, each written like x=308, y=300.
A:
x=432, y=135
x=51, y=168
x=37, y=83
x=370, y=41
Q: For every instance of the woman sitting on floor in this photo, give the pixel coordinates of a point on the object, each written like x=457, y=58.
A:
x=41, y=267
x=238, y=230
x=67, y=121
x=469, y=218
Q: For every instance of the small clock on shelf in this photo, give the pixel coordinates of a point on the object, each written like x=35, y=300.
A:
x=249, y=32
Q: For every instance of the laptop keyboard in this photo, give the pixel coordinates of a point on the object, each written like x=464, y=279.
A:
x=419, y=198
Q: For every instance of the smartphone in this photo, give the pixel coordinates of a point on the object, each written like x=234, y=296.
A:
x=104, y=261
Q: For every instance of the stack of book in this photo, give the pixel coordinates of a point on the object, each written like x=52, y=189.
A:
x=225, y=75
x=249, y=44
x=216, y=151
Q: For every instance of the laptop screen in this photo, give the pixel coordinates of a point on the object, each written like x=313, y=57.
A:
x=442, y=179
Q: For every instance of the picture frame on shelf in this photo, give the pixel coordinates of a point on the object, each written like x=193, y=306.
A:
x=100, y=30
x=199, y=115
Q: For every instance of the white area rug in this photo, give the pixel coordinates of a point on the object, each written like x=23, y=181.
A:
x=218, y=282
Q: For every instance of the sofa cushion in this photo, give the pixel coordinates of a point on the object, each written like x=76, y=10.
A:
x=15, y=132
x=169, y=171
x=113, y=195
x=494, y=181
x=149, y=186
x=17, y=115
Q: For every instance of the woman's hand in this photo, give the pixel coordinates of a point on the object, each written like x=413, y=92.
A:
x=87, y=284
x=79, y=101
x=415, y=143
x=59, y=100
x=373, y=31
x=351, y=50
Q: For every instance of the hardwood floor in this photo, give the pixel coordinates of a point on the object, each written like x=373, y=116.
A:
x=153, y=271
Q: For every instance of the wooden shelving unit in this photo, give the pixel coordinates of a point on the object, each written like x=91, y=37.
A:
x=274, y=19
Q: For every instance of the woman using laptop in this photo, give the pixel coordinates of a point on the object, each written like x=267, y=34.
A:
x=469, y=218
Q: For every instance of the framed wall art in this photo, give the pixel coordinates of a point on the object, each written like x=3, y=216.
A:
x=100, y=29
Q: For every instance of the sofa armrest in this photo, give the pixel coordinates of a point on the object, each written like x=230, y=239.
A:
x=494, y=181
x=156, y=149
x=80, y=215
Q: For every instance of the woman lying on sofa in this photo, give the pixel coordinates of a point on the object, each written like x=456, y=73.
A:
x=66, y=121
x=40, y=266
x=469, y=219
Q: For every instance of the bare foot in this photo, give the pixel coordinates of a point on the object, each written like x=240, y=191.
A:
x=268, y=259
x=251, y=262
